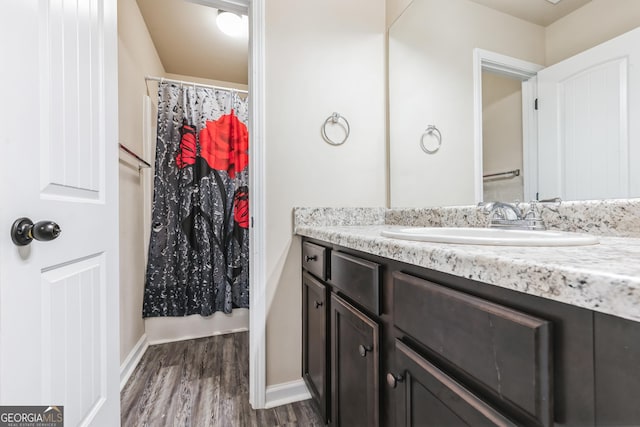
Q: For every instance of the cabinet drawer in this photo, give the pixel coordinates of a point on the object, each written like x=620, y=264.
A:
x=314, y=259
x=358, y=279
x=426, y=396
x=504, y=351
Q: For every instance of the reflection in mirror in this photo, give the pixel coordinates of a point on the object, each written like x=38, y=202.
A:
x=431, y=80
x=502, y=137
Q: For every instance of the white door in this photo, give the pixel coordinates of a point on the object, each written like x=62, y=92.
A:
x=587, y=142
x=58, y=134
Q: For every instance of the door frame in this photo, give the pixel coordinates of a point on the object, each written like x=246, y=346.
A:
x=257, y=207
x=484, y=60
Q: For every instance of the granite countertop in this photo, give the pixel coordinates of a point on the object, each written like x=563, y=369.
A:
x=603, y=277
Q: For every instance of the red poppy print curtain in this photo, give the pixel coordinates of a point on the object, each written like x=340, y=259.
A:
x=199, y=248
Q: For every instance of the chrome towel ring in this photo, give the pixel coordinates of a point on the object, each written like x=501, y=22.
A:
x=335, y=119
x=431, y=130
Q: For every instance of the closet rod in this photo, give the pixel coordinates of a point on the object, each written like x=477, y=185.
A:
x=185, y=83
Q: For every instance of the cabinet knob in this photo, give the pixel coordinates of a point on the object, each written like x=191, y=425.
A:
x=393, y=380
x=319, y=304
x=308, y=258
x=363, y=350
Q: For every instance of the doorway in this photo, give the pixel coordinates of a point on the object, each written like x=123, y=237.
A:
x=502, y=138
x=255, y=10
x=503, y=70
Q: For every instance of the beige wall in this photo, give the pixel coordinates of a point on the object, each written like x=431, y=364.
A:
x=431, y=82
x=395, y=9
x=501, y=135
x=137, y=57
x=592, y=24
x=329, y=58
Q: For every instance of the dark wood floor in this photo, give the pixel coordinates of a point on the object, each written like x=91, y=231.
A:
x=201, y=383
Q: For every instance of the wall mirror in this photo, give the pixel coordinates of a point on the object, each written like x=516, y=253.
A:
x=475, y=68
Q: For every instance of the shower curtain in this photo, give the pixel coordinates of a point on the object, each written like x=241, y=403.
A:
x=199, y=248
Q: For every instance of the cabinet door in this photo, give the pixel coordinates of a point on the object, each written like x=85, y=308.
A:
x=425, y=396
x=354, y=366
x=617, y=370
x=504, y=352
x=314, y=340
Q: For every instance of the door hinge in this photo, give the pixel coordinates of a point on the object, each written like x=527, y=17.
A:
x=251, y=222
x=535, y=104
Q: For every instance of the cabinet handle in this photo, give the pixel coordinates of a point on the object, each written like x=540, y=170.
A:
x=363, y=350
x=393, y=380
x=308, y=258
x=319, y=304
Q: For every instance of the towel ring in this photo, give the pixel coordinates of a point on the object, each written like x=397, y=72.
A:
x=431, y=130
x=334, y=119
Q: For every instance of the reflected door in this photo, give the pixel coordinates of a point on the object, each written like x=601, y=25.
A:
x=586, y=140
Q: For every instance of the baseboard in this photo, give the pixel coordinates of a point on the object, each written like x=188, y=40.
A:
x=197, y=336
x=285, y=393
x=132, y=360
x=162, y=330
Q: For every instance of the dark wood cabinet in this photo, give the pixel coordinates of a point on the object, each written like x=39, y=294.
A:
x=398, y=344
x=427, y=396
x=617, y=363
x=507, y=353
x=340, y=341
x=315, y=367
x=354, y=366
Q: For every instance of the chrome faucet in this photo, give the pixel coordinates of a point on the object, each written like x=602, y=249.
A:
x=511, y=216
x=502, y=211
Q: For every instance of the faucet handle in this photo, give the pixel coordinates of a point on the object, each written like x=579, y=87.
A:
x=486, y=207
x=534, y=210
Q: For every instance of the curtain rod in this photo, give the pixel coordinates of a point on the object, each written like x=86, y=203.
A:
x=133, y=154
x=185, y=83
x=515, y=172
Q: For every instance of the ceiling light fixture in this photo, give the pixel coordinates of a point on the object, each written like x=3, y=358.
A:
x=554, y=1
x=231, y=23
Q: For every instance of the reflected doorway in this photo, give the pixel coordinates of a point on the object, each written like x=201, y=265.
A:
x=502, y=138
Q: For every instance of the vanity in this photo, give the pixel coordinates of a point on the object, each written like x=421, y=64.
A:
x=404, y=333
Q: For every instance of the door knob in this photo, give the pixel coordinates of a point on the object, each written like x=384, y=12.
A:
x=23, y=231
x=393, y=380
x=363, y=350
x=319, y=304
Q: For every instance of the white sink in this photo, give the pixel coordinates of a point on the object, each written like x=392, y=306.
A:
x=491, y=236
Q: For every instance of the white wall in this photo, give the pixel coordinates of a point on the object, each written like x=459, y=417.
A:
x=136, y=58
x=502, y=136
x=321, y=57
x=431, y=82
x=592, y=24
